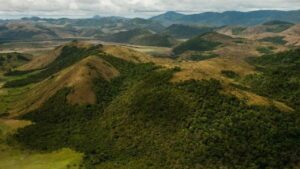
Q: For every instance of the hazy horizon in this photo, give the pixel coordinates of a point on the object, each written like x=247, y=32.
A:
x=16, y=17
x=15, y=9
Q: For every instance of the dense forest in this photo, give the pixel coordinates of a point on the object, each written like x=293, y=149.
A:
x=279, y=77
x=142, y=120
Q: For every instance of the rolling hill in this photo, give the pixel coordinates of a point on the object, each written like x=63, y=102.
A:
x=142, y=37
x=228, y=18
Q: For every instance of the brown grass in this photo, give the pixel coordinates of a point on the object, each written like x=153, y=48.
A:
x=254, y=99
x=79, y=76
x=42, y=61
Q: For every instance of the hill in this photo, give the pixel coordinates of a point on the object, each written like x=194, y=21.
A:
x=186, y=31
x=141, y=118
x=205, y=42
x=142, y=37
x=228, y=18
x=25, y=31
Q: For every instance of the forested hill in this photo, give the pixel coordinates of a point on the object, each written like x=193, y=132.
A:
x=142, y=120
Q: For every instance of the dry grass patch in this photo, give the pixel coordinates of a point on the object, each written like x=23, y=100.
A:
x=254, y=99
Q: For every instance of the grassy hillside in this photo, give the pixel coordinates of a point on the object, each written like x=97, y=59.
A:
x=142, y=120
x=69, y=55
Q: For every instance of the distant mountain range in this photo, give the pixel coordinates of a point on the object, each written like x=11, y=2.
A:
x=228, y=18
x=161, y=29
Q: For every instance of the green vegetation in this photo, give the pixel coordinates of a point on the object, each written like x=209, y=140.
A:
x=230, y=74
x=202, y=56
x=278, y=40
x=127, y=36
x=279, y=77
x=9, y=61
x=143, y=37
x=14, y=157
x=239, y=41
x=265, y=50
x=141, y=120
x=196, y=44
x=186, y=31
x=160, y=40
x=68, y=56
x=277, y=26
x=10, y=157
x=238, y=30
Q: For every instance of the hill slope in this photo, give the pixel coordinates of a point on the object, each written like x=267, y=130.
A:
x=146, y=121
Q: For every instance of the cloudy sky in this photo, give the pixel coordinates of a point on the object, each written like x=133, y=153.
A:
x=131, y=8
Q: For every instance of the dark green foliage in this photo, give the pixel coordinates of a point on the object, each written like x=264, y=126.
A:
x=200, y=57
x=277, y=22
x=230, y=74
x=142, y=120
x=239, y=41
x=186, y=31
x=280, y=77
x=17, y=72
x=160, y=40
x=69, y=55
x=278, y=28
x=196, y=44
x=276, y=40
x=144, y=37
x=265, y=50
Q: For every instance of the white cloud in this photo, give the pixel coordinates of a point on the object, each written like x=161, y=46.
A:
x=131, y=8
